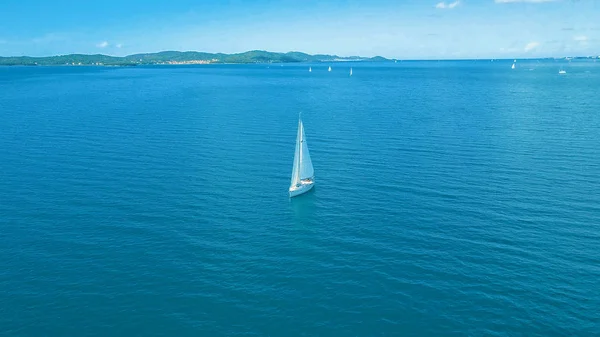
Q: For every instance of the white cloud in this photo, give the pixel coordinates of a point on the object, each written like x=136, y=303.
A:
x=531, y=46
x=119, y=45
x=443, y=5
x=102, y=44
x=529, y=1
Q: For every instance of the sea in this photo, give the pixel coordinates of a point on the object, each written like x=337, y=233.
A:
x=452, y=198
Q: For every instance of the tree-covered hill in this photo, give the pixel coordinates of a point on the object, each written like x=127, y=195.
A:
x=177, y=57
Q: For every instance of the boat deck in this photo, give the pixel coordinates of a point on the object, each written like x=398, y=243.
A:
x=303, y=183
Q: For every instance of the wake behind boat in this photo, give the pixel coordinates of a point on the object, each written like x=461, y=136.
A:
x=303, y=173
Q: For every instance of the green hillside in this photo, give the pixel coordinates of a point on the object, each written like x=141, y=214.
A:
x=177, y=57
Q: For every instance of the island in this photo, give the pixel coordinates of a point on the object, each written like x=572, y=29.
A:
x=177, y=57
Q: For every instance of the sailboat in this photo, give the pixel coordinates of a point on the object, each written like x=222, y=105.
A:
x=310, y=69
x=303, y=173
x=513, y=66
x=329, y=68
x=350, y=71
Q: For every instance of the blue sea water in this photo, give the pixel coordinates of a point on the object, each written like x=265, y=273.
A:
x=452, y=199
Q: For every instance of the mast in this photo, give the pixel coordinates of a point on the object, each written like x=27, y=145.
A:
x=300, y=147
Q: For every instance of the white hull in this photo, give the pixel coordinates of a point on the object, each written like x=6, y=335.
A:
x=304, y=187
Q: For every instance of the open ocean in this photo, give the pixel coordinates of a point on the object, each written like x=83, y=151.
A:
x=454, y=198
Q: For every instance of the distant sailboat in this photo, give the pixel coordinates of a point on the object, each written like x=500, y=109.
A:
x=310, y=69
x=329, y=68
x=513, y=66
x=350, y=71
x=303, y=173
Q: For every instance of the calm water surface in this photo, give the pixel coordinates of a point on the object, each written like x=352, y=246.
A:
x=451, y=199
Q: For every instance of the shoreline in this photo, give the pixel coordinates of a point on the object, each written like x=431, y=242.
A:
x=176, y=58
x=173, y=64
x=266, y=58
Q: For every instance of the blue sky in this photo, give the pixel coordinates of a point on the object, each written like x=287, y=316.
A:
x=404, y=29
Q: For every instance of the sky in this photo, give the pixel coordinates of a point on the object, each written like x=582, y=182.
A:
x=401, y=29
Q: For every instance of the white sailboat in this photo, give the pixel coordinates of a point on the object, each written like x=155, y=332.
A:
x=513, y=66
x=310, y=69
x=303, y=173
x=329, y=68
x=350, y=71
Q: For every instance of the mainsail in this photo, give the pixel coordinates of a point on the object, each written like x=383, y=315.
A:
x=306, y=167
x=295, y=169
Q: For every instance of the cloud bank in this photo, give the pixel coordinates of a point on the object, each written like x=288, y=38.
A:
x=443, y=5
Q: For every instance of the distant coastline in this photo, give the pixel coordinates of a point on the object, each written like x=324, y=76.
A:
x=179, y=58
x=192, y=58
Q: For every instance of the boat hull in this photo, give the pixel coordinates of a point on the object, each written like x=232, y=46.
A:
x=305, y=187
